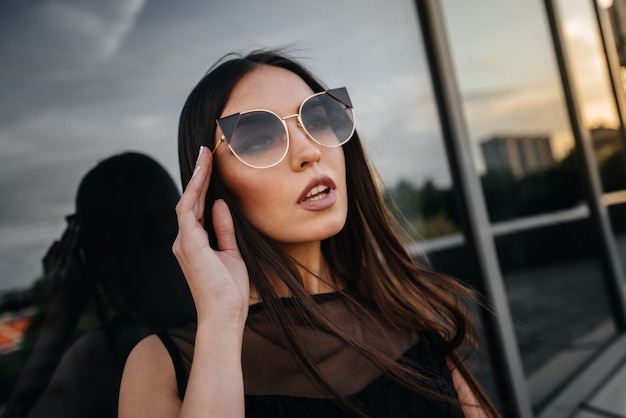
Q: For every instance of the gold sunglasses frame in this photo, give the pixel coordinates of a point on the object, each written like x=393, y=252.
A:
x=340, y=94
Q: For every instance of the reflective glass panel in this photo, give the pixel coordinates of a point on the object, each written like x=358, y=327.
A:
x=83, y=82
x=524, y=153
x=582, y=35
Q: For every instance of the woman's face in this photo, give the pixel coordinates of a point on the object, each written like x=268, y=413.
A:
x=303, y=199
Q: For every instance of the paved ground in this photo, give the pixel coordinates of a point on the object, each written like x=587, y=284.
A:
x=562, y=318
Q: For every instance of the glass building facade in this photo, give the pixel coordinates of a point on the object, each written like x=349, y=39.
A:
x=533, y=129
x=498, y=131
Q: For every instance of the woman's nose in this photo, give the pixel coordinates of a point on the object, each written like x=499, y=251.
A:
x=302, y=149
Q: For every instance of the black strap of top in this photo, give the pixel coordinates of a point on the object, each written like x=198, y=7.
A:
x=179, y=369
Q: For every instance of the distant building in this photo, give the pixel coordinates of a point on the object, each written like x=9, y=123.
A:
x=522, y=154
x=606, y=141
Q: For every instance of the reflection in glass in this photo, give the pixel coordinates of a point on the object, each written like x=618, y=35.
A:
x=593, y=86
x=524, y=152
x=397, y=120
x=390, y=87
x=590, y=71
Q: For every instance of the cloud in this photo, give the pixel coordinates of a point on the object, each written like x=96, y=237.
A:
x=398, y=123
x=590, y=70
x=63, y=36
x=57, y=49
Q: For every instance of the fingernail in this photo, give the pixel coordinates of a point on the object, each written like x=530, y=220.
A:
x=195, y=171
x=200, y=153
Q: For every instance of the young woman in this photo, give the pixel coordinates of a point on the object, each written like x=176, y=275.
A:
x=307, y=302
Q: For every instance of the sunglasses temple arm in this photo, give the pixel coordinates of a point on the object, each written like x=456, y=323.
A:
x=218, y=145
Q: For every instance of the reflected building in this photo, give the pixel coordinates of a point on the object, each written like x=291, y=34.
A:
x=551, y=261
x=606, y=141
x=522, y=154
x=463, y=73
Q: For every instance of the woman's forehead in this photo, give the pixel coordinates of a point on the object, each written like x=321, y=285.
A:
x=268, y=87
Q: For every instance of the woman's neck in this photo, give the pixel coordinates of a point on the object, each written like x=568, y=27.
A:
x=316, y=274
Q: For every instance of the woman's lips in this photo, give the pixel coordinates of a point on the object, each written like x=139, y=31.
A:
x=319, y=194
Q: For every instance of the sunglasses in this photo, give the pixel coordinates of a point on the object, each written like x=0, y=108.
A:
x=260, y=138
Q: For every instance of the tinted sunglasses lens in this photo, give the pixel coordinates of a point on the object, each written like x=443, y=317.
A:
x=327, y=120
x=259, y=139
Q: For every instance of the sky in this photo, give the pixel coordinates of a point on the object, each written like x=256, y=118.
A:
x=508, y=74
x=82, y=80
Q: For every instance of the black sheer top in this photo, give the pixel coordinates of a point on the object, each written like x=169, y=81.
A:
x=276, y=386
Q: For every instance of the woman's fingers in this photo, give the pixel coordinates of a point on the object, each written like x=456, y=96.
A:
x=50, y=256
x=190, y=208
x=69, y=242
x=223, y=225
x=200, y=178
x=203, y=156
x=65, y=244
x=218, y=279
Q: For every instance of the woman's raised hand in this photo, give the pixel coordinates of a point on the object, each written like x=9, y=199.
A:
x=219, y=284
x=218, y=279
x=66, y=280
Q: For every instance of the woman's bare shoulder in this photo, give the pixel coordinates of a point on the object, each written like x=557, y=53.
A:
x=149, y=382
x=150, y=348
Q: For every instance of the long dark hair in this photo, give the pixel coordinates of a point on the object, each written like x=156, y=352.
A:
x=368, y=254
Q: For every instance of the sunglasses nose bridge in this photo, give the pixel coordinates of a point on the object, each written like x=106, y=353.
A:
x=298, y=121
x=298, y=124
x=295, y=115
